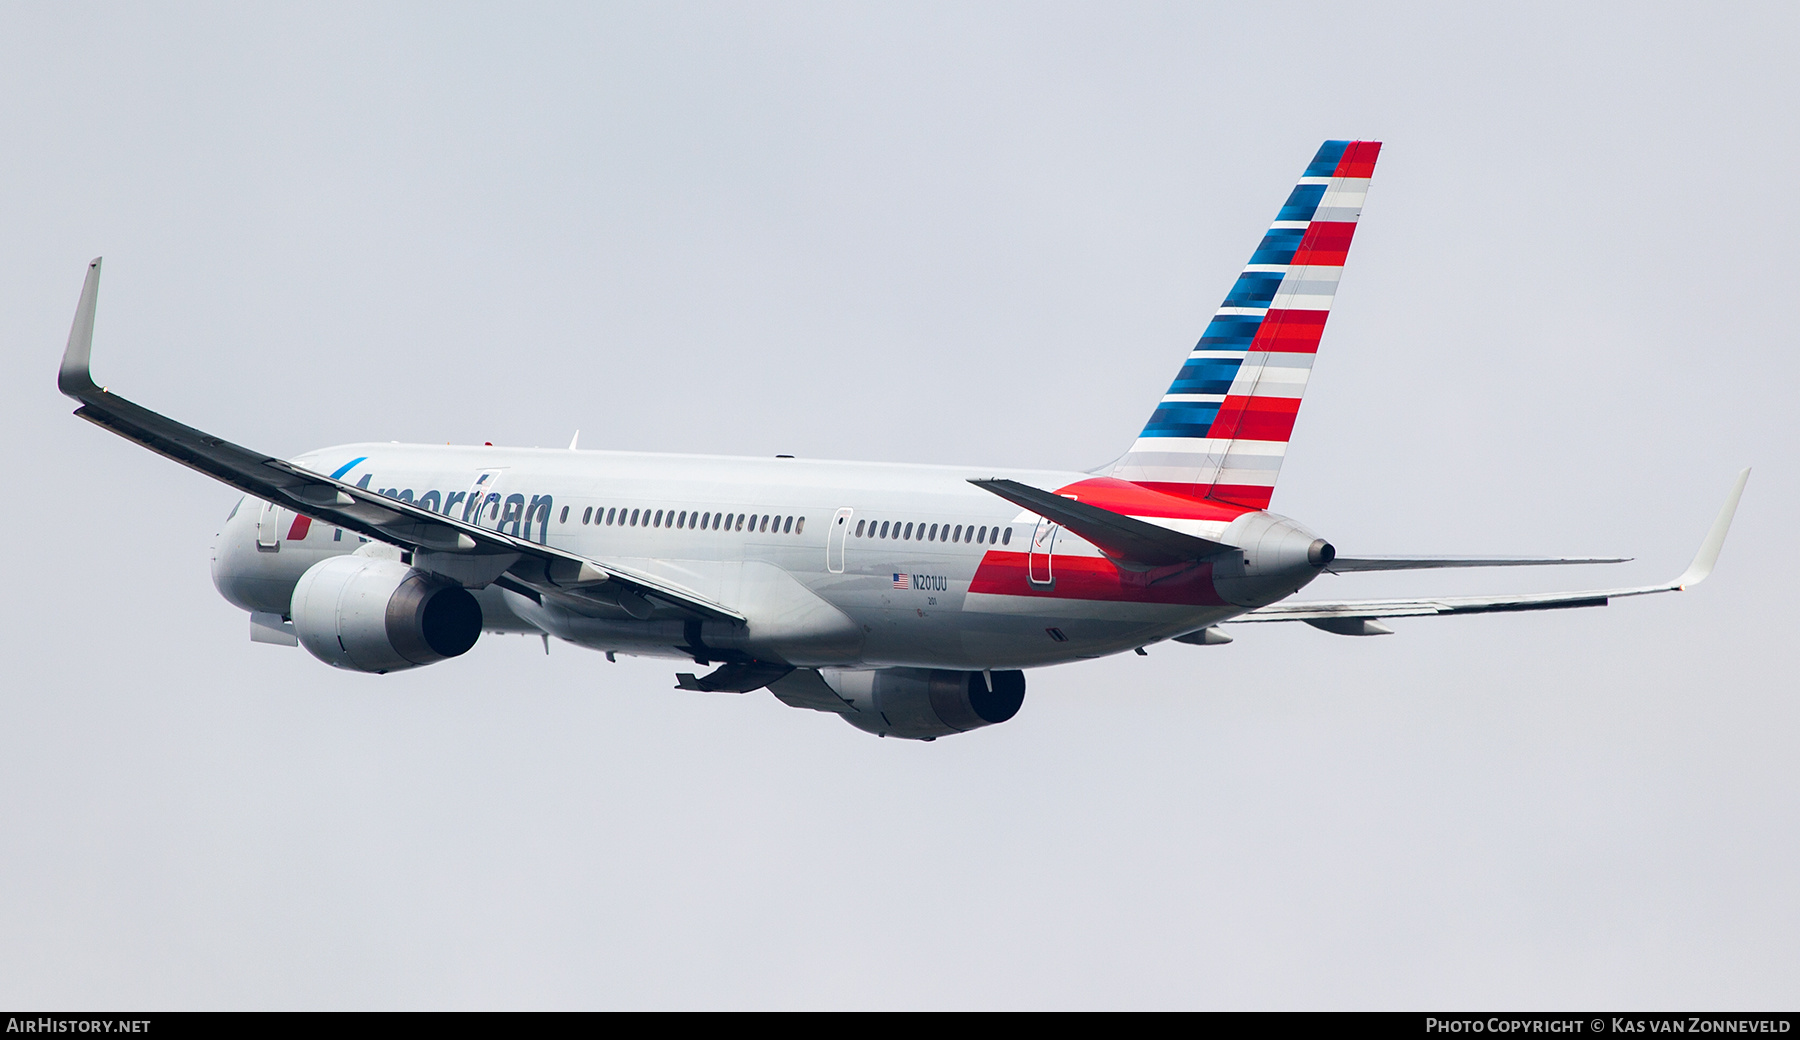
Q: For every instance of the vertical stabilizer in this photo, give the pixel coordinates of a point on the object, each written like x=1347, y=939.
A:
x=1222, y=429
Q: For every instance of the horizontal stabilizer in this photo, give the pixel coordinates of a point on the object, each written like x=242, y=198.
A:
x=1115, y=534
x=1347, y=564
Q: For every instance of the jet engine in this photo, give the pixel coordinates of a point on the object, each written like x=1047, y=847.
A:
x=924, y=704
x=371, y=615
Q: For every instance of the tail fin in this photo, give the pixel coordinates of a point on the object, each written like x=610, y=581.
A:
x=1222, y=429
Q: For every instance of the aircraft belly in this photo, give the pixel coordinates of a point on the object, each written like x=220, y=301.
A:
x=951, y=627
x=788, y=623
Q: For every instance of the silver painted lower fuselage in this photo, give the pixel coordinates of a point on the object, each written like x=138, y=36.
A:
x=835, y=564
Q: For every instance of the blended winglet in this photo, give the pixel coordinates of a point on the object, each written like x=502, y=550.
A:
x=76, y=377
x=459, y=550
x=1708, y=555
x=1317, y=610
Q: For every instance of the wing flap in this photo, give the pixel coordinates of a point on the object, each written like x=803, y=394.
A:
x=1372, y=609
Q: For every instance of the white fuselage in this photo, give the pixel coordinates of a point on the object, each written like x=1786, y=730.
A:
x=795, y=545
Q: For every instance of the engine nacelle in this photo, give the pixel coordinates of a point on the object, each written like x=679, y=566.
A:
x=371, y=615
x=924, y=704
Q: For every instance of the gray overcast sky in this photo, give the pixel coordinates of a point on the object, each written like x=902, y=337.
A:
x=939, y=233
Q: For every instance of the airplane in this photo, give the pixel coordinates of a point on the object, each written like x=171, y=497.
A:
x=906, y=599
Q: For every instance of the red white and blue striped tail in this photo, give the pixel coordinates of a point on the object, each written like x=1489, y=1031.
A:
x=1222, y=429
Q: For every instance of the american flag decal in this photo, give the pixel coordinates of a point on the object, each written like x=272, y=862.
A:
x=901, y=581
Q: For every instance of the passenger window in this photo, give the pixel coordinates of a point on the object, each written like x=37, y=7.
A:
x=980, y=535
x=859, y=528
x=681, y=520
x=800, y=525
x=1006, y=538
x=934, y=532
x=788, y=526
x=657, y=520
x=884, y=529
x=634, y=518
x=908, y=535
x=586, y=513
x=609, y=517
x=956, y=535
x=705, y=521
x=565, y=516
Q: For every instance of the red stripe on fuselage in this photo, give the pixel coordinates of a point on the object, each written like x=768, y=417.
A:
x=1241, y=498
x=1096, y=578
x=302, y=524
x=1166, y=500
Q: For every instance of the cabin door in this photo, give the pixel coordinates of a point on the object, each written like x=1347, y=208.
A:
x=1043, y=545
x=834, y=540
x=268, y=528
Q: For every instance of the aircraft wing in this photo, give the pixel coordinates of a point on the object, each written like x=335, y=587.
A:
x=1342, y=615
x=466, y=552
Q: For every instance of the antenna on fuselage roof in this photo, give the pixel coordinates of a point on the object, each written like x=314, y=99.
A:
x=573, y=439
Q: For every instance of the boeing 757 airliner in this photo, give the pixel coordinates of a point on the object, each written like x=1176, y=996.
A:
x=906, y=599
